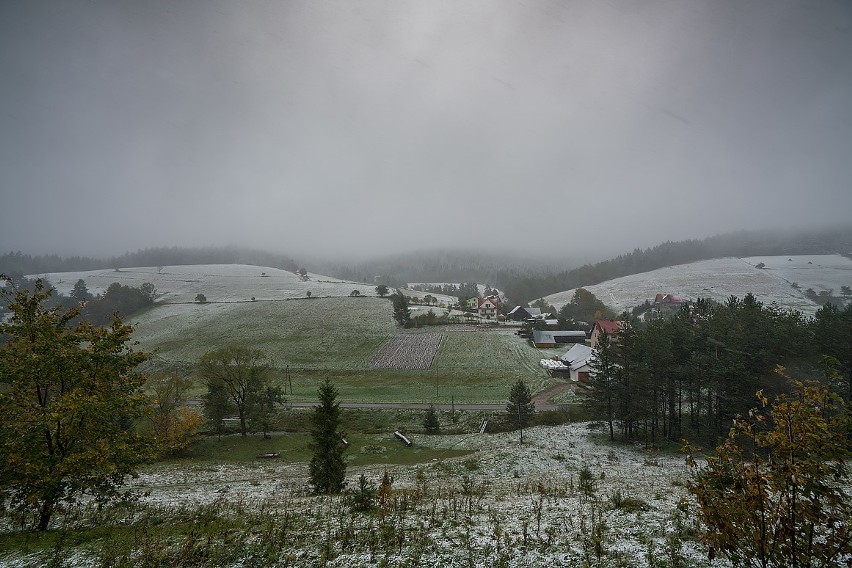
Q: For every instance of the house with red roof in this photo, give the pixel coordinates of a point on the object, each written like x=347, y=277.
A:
x=610, y=327
x=488, y=306
x=667, y=304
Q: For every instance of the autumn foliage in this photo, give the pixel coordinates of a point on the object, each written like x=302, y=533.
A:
x=69, y=397
x=776, y=491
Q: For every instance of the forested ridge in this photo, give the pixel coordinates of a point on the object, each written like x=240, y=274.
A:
x=20, y=263
x=520, y=278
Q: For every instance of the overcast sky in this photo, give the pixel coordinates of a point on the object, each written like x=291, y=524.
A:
x=319, y=127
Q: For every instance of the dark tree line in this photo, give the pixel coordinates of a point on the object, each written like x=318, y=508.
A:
x=463, y=291
x=690, y=375
x=19, y=263
x=118, y=299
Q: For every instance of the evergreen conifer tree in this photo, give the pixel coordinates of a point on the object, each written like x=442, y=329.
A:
x=601, y=396
x=327, y=468
x=430, y=423
x=520, y=406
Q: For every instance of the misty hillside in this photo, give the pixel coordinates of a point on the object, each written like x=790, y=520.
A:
x=783, y=280
x=521, y=277
x=20, y=263
x=524, y=279
x=443, y=265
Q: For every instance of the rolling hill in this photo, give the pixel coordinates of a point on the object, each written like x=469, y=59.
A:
x=331, y=334
x=720, y=278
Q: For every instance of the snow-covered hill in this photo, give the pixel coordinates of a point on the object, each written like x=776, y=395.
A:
x=718, y=279
x=218, y=282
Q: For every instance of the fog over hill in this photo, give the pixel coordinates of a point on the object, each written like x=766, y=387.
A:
x=570, y=129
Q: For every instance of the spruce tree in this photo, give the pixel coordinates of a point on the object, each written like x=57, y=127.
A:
x=430, y=422
x=520, y=406
x=327, y=468
x=601, y=397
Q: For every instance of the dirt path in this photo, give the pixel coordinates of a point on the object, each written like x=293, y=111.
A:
x=542, y=399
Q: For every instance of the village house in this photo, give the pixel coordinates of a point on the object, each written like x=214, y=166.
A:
x=578, y=361
x=487, y=307
x=611, y=327
x=666, y=304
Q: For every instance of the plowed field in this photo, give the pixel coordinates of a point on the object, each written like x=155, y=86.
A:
x=408, y=351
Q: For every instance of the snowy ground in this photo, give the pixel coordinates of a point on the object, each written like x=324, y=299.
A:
x=218, y=282
x=720, y=278
x=820, y=272
x=510, y=493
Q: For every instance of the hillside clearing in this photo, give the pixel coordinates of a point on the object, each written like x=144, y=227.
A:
x=721, y=278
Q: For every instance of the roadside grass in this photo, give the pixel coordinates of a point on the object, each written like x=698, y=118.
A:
x=296, y=448
x=383, y=421
x=397, y=385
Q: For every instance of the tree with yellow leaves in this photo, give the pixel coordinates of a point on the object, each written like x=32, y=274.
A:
x=775, y=492
x=69, y=396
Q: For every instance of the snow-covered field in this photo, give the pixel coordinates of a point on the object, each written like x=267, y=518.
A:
x=218, y=282
x=524, y=500
x=820, y=272
x=720, y=278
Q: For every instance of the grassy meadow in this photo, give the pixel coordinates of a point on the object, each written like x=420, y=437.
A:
x=330, y=336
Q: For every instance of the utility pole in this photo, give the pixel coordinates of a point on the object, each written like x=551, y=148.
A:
x=520, y=425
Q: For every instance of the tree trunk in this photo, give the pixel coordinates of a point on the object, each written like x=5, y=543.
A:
x=45, y=513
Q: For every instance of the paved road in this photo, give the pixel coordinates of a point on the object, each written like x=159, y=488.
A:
x=403, y=405
x=418, y=406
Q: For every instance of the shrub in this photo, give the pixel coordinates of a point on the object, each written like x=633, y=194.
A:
x=628, y=504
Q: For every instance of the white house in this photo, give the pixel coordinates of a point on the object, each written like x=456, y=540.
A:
x=577, y=360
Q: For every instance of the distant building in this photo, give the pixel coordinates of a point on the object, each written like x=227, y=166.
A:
x=487, y=307
x=611, y=327
x=520, y=313
x=544, y=339
x=578, y=360
x=667, y=304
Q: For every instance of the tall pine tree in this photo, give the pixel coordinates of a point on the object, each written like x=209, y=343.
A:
x=520, y=406
x=327, y=468
x=600, y=396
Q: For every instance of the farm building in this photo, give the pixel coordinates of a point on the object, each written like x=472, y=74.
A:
x=578, y=360
x=519, y=313
x=611, y=327
x=543, y=339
